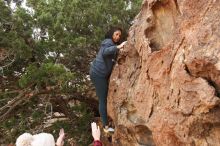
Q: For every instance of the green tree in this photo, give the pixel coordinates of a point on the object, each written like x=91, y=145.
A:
x=45, y=50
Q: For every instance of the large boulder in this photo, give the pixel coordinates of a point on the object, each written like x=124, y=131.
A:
x=165, y=88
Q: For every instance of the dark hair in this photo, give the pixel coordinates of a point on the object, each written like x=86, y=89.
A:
x=111, y=31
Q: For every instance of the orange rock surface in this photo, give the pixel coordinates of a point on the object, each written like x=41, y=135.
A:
x=165, y=88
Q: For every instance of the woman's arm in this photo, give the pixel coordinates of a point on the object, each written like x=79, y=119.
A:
x=60, y=139
x=110, y=48
x=96, y=134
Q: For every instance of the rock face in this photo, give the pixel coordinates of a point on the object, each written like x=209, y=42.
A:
x=165, y=88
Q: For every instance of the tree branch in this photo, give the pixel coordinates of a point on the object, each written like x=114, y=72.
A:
x=25, y=95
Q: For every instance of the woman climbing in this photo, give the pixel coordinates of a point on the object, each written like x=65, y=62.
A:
x=101, y=69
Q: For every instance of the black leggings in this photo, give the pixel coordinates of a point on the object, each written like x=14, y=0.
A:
x=101, y=86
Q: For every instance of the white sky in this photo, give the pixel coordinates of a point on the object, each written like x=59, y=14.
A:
x=23, y=5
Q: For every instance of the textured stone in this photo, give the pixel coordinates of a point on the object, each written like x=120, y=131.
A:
x=165, y=88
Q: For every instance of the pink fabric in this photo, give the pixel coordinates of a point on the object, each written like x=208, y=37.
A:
x=97, y=143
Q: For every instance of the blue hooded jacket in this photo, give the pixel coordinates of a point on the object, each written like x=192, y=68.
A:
x=103, y=63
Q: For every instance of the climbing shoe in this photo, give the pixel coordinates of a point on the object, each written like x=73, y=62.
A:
x=108, y=130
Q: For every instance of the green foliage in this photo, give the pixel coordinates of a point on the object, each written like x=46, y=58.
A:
x=47, y=74
x=81, y=130
x=4, y=97
x=5, y=12
x=70, y=29
x=80, y=25
x=22, y=121
x=15, y=30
